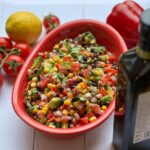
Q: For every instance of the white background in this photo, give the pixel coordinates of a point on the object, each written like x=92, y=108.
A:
x=14, y=133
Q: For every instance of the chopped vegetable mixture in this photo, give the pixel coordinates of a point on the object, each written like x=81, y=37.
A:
x=72, y=84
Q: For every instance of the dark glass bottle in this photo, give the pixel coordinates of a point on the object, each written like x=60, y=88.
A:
x=132, y=128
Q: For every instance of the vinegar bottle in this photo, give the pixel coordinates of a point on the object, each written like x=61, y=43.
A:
x=132, y=128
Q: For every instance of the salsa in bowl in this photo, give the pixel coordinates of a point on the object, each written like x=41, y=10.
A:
x=66, y=99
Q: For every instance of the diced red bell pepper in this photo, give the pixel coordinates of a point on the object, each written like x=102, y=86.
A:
x=84, y=120
x=125, y=18
x=110, y=70
x=103, y=91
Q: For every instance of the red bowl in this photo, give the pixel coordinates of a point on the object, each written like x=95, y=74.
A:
x=105, y=35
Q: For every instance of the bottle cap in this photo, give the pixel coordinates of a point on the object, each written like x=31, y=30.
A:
x=144, y=42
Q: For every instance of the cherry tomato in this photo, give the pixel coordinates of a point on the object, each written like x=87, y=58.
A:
x=13, y=65
x=1, y=81
x=50, y=22
x=25, y=49
x=6, y=42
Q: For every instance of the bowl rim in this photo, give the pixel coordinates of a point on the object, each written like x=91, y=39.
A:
x=61, y=131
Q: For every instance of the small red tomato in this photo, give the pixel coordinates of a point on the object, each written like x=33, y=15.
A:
x=75, y=66
x=1, y=81
x=6, y=42
x=50, y=22
x=84, y=120
x=25, y=49
x=13, y=65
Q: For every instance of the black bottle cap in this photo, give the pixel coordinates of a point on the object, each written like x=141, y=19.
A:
x=144, y=41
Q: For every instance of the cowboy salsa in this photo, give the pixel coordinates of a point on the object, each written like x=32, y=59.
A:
x=72, y=84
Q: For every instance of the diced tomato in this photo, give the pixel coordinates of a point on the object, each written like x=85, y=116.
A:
x=71, y=82
x=85, y=73
x=89, y=114
x=62, y=69
x=64, y=92
x=104, y=80
x=75, y=66
x=64, y=118
x=110, y=70
x=108, y=65
x=112, y=59
x=43, y=83
x=68, y=58
x=50, y=117
x=97, y=110
x=103, y=91
x=84, y=120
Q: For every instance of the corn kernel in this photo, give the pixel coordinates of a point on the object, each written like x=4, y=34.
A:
x=104, y=107
x=65, y=112
x=42, y=112
x=33, y=85
x=60, y=60
x=46, y=70
x=55, y=69
x=84, y=91
x=58, y=119
x=91, y=78
x=70, y=95
x=65, y=125
x=34, y=111
x=67, y=102
x=70, y=75
x=87, y=103
x=92, y=119
x=71, y=112
x=56, y=58
x=83, y=85
x=51, y=60
x=52, y=126
x=97, y=72
x=45, y=108
x=56, y=46
x=34, y=79
x=49, y=94
x=121, y=109
x=76, y=104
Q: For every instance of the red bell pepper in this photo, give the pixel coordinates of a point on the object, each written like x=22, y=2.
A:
x=125, y=19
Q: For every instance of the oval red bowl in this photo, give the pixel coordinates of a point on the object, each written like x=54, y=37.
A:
x=105, y=35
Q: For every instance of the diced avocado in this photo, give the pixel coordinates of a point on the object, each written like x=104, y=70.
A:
x=55, y=102
x=107, y=87
x=37, y=62
x=106, y=99
x=100, y=49
x=103, y=58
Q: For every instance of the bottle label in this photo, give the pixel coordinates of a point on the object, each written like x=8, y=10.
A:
x=142, y=122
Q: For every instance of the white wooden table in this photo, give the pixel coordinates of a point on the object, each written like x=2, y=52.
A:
x=14, y=133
